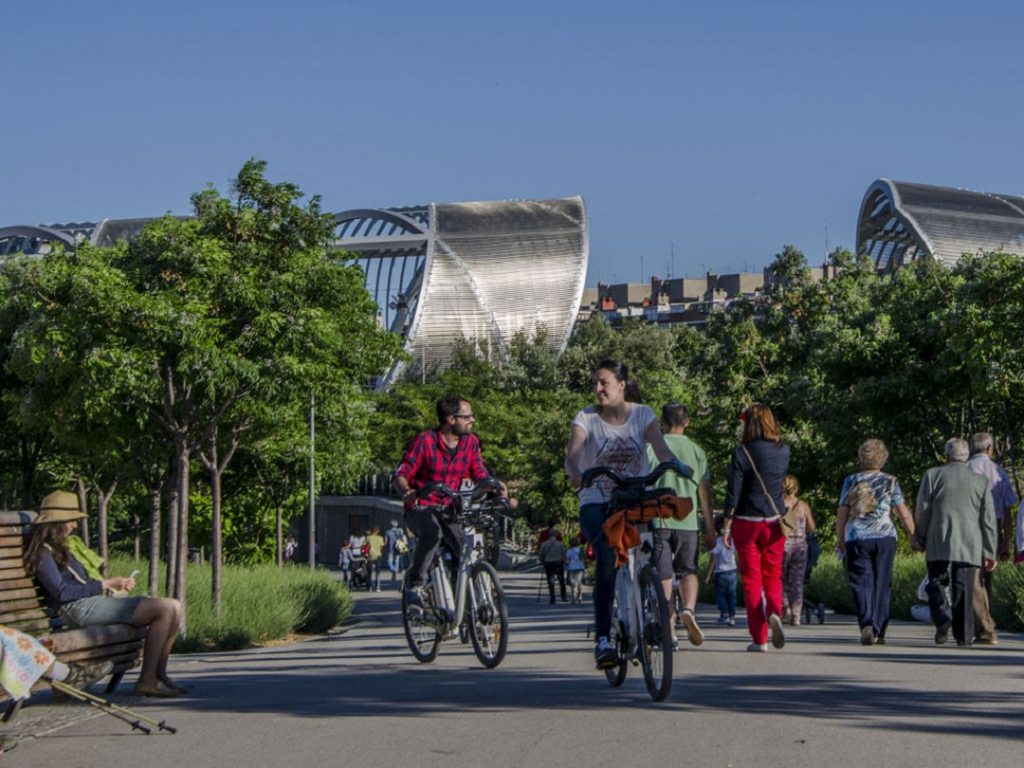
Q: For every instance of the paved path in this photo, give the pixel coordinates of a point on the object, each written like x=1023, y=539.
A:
x=358, y=699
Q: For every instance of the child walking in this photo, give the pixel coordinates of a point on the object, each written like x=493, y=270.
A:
x=723, y=566
x=574, y=565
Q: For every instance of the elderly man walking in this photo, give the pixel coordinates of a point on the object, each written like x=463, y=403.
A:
x=1005, y=500
x=955, y=525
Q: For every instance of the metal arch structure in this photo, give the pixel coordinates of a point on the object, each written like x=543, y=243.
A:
x=902, y=222
x=482, y=271
x=34, y=240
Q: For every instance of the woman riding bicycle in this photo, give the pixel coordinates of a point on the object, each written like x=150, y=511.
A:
x=613, y=433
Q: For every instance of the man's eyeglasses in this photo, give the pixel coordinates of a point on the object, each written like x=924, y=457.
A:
x=466, y=416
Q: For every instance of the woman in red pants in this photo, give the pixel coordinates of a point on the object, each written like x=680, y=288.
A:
x=753, y=509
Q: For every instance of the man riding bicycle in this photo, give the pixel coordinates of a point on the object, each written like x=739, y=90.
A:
x=449, y=454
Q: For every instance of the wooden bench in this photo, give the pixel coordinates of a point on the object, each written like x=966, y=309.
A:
x=22, y=607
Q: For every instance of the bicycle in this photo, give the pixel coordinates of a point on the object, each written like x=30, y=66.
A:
x=640, y=628
x=476, y=609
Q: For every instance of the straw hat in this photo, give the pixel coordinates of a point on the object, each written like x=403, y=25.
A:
x=59, y=507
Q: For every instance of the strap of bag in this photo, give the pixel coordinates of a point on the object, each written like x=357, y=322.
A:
x=757, y=474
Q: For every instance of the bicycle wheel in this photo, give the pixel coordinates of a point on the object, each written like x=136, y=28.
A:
x=487, y=615
x=619, y=637
x=422, y=627
x=656, y=636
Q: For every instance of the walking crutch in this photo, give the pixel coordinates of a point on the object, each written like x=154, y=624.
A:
x=134, y=719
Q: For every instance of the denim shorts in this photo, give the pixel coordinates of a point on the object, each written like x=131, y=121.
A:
x=100, y=611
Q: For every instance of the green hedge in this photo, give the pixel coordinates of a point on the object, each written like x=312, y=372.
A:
x=259, y=603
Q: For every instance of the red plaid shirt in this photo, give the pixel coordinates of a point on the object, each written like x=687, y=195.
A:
x=428, y=460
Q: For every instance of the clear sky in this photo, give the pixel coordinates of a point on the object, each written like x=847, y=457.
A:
x=717, y=131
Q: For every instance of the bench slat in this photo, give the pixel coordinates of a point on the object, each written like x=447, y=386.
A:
x=14, y=610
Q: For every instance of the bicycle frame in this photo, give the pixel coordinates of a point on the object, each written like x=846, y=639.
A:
x=627, y=591
x=454, y=604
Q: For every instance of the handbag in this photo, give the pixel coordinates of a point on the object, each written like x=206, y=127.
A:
x=764, y=489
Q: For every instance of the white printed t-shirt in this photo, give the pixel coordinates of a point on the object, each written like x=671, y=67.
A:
x=622, y=448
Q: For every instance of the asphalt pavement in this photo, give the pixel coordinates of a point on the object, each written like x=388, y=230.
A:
x=357, y=698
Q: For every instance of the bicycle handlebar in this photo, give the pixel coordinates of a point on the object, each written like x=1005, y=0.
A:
x=485, y=490
x=591, y=475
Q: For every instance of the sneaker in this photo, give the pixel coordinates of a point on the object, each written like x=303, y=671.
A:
x=867, y=635
x=693, y=630
x=605, y=654
x=414, y=597
x=987, y=640
x=758, y=647
x=723, y=619
x=82, y=676
x=731, y=622
x=778, y=636
x=675, y=643
x=942, y=633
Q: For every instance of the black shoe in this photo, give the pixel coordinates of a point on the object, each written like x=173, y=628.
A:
x=942, y=633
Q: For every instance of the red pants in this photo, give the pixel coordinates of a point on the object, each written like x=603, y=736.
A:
x=759, y=548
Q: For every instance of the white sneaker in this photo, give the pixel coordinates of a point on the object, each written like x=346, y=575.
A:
x=778, y=636
x=693, y=629
x=758, y=647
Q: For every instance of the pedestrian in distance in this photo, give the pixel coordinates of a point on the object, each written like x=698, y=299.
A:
x=676, y=542
x=753, y=514
x=551, y=554
x=955, y=526
x=722, y=566
x=796, y=524
x=575, y=565
x=1005, y=499
x=866, y=537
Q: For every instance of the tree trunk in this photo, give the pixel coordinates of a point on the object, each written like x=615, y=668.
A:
x=172, y=528
x=184, y=455
x=279, y=542
x=154, y=539
x=136, y=542
x=83, y=504
x=102, y=500
x=216, y=553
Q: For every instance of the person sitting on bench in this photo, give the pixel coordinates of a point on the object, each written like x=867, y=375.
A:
x=81, y=602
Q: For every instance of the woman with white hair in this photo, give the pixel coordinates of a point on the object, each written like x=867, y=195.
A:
x=866, y=537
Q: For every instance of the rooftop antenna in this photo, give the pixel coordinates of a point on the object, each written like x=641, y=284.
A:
x=672, y=258
x=641, y=267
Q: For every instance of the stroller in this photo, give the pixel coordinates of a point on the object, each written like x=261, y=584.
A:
x=816, y=610
x=360, y=573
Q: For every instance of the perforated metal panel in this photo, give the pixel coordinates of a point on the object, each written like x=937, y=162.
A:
x=901, y=222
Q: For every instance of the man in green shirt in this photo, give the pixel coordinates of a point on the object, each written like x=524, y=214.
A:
x=675, y=541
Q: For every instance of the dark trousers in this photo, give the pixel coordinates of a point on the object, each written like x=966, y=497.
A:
x=553, y=571
x=428, y=529
x=591, y=521
x=869, y=568
x=959, y=577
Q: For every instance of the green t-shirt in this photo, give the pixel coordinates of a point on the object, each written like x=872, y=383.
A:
x=693, y=456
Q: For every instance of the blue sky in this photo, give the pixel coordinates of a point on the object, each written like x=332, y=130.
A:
x=720, y=131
